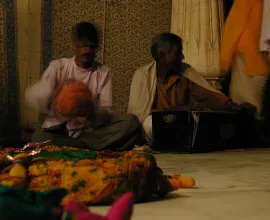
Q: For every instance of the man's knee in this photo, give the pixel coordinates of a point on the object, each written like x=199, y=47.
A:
x=57, y=139
x=131, y=121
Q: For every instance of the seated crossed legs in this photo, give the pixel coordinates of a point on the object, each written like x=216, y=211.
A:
x=100, y=128
x=87, y=126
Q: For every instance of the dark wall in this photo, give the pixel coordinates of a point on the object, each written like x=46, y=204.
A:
x=227, y=4
x=225, y=83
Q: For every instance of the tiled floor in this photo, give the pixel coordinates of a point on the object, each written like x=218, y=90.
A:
x=230, y=185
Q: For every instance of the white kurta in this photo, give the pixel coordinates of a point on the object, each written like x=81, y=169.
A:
x=247, y=88
x=99, y=80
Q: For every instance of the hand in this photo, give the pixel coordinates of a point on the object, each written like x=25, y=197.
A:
x=248, y=108
x=231, y=106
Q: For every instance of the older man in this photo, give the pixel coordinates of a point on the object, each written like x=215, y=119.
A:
x=169, y=84
x=106, y=129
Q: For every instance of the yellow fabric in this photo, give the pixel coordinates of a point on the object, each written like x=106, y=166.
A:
x=92, y=181
x=104, y=178
x=14, y=174
x=241, y=36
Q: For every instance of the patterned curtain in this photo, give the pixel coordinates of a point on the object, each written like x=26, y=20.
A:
x=29, y=14
x=9, y=111
x=127, y=27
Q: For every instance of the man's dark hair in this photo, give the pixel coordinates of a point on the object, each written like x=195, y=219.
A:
x=85, y=31
x=163, y=43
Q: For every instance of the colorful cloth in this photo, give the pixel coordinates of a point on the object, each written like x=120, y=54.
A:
x=90, y=177
x=27, y=204
x=93, y=180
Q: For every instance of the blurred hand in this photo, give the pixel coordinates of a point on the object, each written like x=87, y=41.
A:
x=248, y=108
x=231, y=106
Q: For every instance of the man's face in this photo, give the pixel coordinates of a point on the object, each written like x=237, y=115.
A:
x=85, y=51
x=174, y=58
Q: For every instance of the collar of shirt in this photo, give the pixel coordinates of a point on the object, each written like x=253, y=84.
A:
x=171, y=80
x=90, y=69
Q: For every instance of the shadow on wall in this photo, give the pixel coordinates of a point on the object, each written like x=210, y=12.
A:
x=9, y=109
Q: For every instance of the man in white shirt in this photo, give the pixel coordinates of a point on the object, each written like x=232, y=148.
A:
x=106, y=129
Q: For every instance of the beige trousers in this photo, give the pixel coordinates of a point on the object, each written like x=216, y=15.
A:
x=246, y=88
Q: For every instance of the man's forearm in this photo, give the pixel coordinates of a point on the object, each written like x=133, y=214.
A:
x=178, y=108
x=173, y=108
x=109, y=109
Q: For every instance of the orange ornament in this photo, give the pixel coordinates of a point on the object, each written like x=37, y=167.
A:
x=74, y=100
